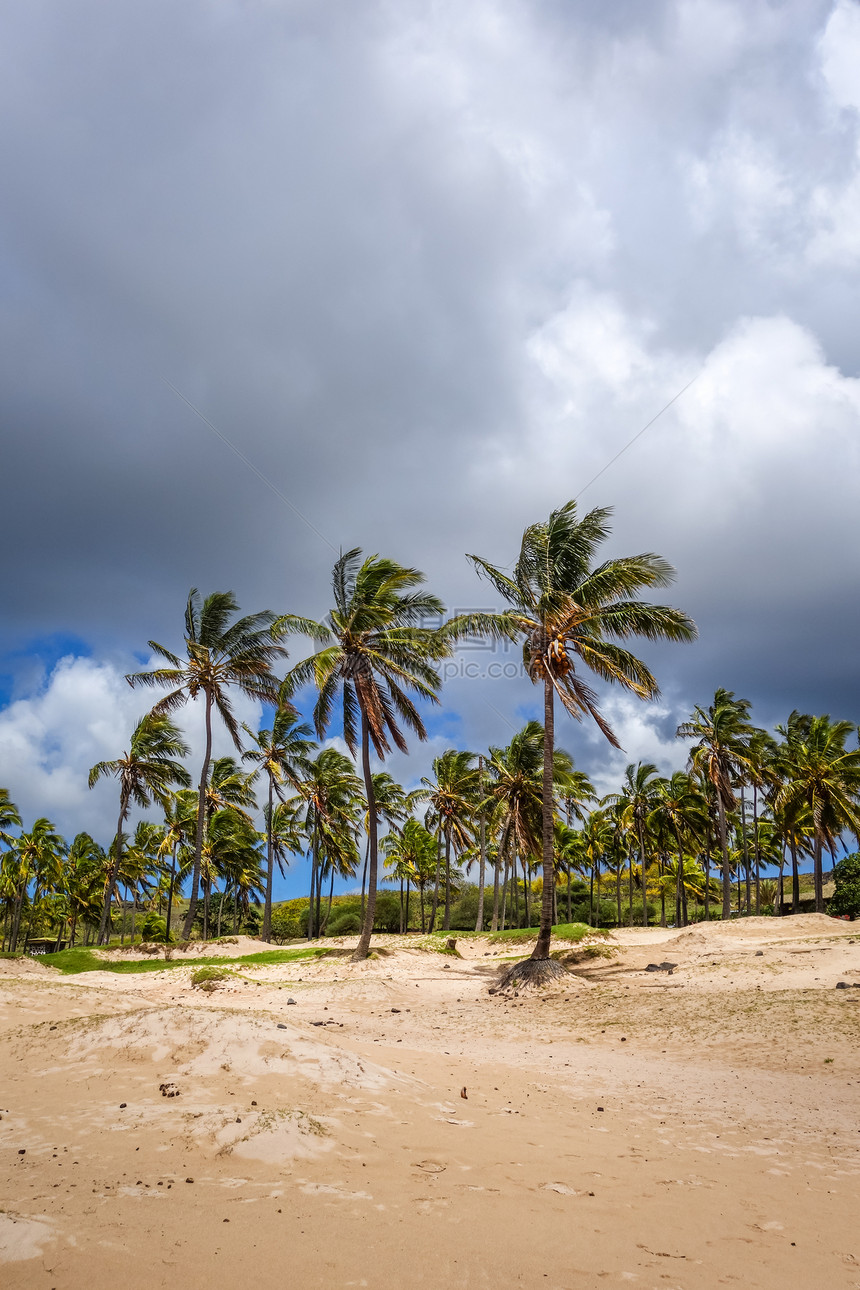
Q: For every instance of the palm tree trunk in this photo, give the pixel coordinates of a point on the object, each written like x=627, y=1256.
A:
x=818, y=873
x=104, y=933
x=401, y=907
x=727, y=876
x=661, y=871
x=591, y=894
x=541, y=950
x=505, y=888
x=708, y=875
x=528, y=912
x=630, y=885
x=757, y=851
x=313, y=884
x=569, y=909
x=170, y=888
x=201, y=823
x=266, y=933
x=406, y=920
x=328, y=906
x=497, y=867
x=795, y=875
x=421, y=896
x=746, y=850
x=435, y=905
x=446, y=925
x=482, y=868
x=644, y=878
x=618, y=893
x=363, y=946
x=364, y=876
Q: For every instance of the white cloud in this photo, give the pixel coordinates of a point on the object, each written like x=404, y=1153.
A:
x=83, y=713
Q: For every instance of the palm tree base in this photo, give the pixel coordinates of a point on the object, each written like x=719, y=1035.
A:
x=532, y=974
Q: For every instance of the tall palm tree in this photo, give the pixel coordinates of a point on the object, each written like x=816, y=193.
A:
x=569, y=613
x=146, y=772
x=221, y=653
x=823, y=778
x=281, y=754
x=180, y=816
x=377, y=654
x=393, y=805
x=330, y=790
x=723, y=734
x=39, y=854
x=452, y=795
x=83, y=882
x=635, y=801
x=681, y=811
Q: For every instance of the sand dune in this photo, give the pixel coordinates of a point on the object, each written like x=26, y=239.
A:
x=688, y=1130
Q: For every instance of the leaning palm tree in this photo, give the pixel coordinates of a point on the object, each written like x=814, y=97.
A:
x=146, y=773
x=570, y=613
x=377, y=654
x=222, y=653
x=282, y=753
x=722, y=733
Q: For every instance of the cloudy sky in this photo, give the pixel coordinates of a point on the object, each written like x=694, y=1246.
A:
x=429, y=267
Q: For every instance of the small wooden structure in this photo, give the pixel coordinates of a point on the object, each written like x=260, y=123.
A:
x=43, y=945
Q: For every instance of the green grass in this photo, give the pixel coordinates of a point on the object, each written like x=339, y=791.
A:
x=573, y=932
x=75, y=961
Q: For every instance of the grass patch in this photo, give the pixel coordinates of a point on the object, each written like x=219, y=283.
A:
x=11, y=954
x=209, y=978
x=78, y=960
x=573, y=932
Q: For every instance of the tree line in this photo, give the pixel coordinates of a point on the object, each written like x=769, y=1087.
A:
x=746, y=800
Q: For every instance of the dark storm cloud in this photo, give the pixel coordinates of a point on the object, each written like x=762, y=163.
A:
x=430, y=268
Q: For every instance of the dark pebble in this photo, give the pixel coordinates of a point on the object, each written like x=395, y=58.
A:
x=123, y=1105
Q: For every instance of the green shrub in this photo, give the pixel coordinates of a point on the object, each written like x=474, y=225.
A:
x=154, y=928
x=387, y=914
x=846, y=876
x=344, y=924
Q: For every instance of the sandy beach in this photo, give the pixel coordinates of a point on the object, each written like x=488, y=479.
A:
x=398, y=1125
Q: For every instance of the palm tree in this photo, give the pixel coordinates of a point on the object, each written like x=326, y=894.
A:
x=180, y=814
x=330, y=791
x=282, y=753
x=393, y=805
x=220, y=655
x=824, y=778
x=452, y=795
x=723, y=734
x=635, y=801
x=411, y=855
x=83, y=882
x=568, y=612
x=39, y=855
x=145, y=773
x=681, y=811
x=378, y=654
x=9, y=819
x=762, y=774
